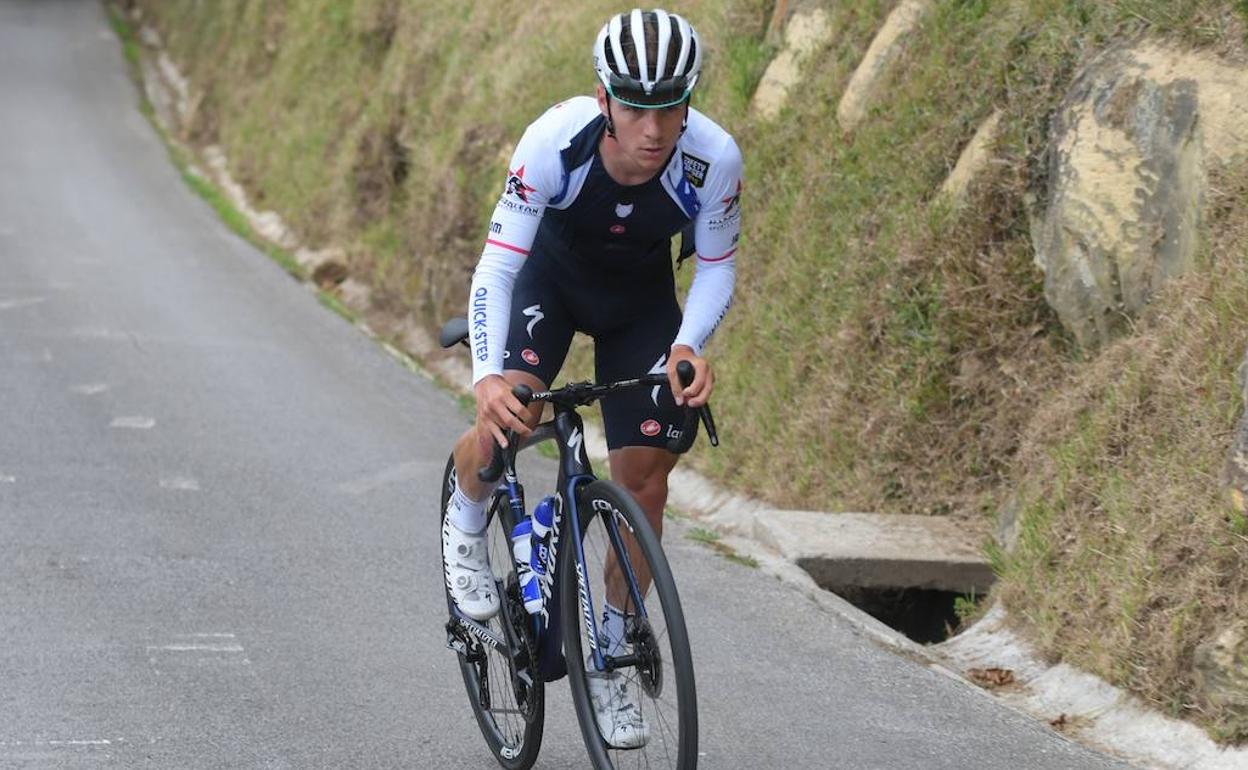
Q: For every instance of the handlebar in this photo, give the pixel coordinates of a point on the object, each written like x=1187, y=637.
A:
x=584, y=393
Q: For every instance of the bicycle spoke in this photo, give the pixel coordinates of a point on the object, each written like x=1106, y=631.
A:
x=650, y=640
x=512, y=720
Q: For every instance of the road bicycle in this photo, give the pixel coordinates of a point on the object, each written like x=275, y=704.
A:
x=507, y=660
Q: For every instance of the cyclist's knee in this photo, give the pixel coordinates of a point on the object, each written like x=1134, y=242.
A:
x=643, y=472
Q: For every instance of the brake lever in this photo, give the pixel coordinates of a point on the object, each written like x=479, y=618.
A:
x=689, y=431
x=712, y=436
x=492, y=472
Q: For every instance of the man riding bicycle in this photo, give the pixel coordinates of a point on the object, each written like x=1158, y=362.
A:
x=580, y=240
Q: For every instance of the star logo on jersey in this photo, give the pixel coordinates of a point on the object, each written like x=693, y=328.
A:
x=516, y=185
x=733, y=201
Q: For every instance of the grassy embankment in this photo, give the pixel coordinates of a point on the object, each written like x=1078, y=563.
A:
x=886, y=352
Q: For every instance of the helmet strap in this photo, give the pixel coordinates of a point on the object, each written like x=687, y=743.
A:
x=610, y=120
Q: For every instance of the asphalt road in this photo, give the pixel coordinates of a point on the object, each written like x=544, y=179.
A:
x=218, y=543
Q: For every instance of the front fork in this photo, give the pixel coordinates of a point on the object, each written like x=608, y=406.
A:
x=602, y=662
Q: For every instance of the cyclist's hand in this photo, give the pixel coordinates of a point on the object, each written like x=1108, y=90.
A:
x=699, y=391
x=497, y=410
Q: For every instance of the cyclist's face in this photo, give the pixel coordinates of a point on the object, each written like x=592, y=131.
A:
x=646, y=136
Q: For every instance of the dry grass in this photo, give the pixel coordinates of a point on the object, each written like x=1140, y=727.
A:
x=1130, y=553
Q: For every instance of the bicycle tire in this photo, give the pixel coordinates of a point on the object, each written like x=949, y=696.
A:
x=516, y=738
x=672, y=716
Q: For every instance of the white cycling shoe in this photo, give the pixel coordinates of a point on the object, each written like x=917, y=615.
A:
x=620, y=720
x=466, y=565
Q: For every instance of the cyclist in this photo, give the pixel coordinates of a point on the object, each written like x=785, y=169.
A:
x=580, y=240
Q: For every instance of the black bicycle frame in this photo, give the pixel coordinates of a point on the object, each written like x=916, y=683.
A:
x=575, y=470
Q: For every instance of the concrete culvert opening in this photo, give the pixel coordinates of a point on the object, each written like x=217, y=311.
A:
x=926, y=615
x=917, y=574
x=923, y=599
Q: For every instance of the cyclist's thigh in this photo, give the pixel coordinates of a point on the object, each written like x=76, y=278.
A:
x=639, y=417
x=540, y=329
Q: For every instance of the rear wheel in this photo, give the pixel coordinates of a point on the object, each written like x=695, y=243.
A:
x=657, y=668
x=503, y=689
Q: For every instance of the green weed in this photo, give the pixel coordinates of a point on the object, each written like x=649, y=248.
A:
x=331, y=301
x=700, y=535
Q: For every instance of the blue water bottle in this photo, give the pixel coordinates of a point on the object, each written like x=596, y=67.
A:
x=543, y=520
x=522, y=550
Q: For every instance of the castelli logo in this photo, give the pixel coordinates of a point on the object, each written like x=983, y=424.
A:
x=530, y=357
x=651, y=427
x=617, y=229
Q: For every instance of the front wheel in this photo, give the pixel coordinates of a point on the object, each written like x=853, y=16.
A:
x=653, y=682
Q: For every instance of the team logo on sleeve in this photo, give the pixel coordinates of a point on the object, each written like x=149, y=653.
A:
x=731, y=214
x=733, y=202
x=695, y=169
x=516, y=186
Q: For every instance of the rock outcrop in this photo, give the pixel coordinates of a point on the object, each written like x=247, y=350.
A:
x=1128, y=157
x=884, y=49
x=803, y=34
x=973, y=158
x=1237, y=463
x=1222, y=675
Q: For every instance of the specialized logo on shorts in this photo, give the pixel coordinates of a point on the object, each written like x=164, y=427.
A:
x=516, y=186
x=617, y=229
x=659, y=367
x=651, y=428
x=622, y=210
x=534, y=312
x=695, y=169
x=530, y=357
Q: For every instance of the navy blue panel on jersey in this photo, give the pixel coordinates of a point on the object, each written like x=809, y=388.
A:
x=610, y=232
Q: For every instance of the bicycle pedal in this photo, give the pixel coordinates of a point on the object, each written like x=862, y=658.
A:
x=454, y=641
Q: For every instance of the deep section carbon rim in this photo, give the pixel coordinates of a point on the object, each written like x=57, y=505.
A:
x=659, y=676
x=510, y=713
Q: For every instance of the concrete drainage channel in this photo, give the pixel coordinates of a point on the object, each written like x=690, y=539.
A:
x=912, y=573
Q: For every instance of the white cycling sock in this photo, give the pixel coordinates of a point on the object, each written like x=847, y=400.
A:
x=612, y=631
x=466, y=514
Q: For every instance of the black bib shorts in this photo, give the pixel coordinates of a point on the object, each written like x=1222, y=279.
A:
x=632, y=329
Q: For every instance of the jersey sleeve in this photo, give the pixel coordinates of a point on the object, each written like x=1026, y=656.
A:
x=716, y=232
x=533, y=176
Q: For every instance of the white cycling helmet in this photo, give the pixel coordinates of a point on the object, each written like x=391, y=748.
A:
x=648, y=59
